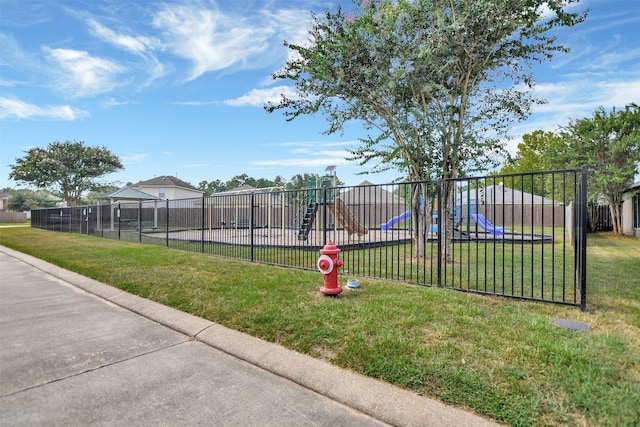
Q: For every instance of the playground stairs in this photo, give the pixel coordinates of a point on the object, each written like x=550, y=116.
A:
x=307, y=221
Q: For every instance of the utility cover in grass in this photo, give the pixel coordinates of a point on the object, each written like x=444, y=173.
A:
x=572, y=325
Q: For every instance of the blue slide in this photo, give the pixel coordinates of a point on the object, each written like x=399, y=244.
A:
x=485, y=224
x=395, y=220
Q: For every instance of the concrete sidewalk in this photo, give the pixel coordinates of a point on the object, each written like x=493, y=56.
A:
x=74, y=351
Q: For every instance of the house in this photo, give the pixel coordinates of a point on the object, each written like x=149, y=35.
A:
x=168, y=188
x=372, y=204
x=4, y=198
x=506, y=206
x=631, y=210
x=501, y=195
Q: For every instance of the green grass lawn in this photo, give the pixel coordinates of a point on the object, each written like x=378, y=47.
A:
x=501, y=358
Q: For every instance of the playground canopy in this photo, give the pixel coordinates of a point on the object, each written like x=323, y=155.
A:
x=241, y=196
x=126, y=194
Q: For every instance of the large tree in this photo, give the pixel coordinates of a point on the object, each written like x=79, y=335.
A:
x=67, y=169
x=436, y=82
x=608, y=142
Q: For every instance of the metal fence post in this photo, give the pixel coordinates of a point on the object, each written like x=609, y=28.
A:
x=439, y=222
x=251, y=219
x=582, y=251
x=202, y=233
x=324, y=216
x=140, y=222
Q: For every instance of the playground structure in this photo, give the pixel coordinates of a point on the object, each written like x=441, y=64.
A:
x=265, y=225
x=469, y=223
x=363, y=215
x=323, y=211
x=321, y=193
x=486, y=225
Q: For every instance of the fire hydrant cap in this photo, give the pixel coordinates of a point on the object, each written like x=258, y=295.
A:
x=330, y=249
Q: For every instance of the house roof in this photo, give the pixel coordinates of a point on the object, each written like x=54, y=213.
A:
x=370, y=194
x=126, y=193
x=499, y=195
x=166, y=181
x=634, y=186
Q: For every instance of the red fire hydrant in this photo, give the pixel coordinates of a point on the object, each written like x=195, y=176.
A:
x=328, y=264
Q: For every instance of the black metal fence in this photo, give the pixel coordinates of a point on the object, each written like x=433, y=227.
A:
x=521, y=236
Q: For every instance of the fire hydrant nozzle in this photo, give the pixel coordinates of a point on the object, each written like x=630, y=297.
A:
x=328, y=264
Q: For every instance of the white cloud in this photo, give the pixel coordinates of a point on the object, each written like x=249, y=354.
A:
x=112, y=102
x=6, y=83
x=196, y=165
x=292, y=25
x=195, y=103
x=140, y=46
x=579, y=97
x=309, y=154
x=137, y=45
x=11, y=108
x=82, y=74
x=573, y=99
x=312, y=144
x=133, y=158
x=300, y=162
x=258, y=97
x=209, y=39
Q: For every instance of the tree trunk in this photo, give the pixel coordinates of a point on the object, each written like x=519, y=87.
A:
x=446, y=222
x=420, y=217
x=616, y=217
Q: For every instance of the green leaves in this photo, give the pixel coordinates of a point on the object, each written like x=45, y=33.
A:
x=431, y=75
x=608, y=143
x=66, y=168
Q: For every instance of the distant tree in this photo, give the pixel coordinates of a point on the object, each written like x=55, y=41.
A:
x=438, y=82
x=301, y=181
x=25, y=200
x=279, y=181
x=67, y=169
x=535, y=154
x=239, y=181
x=609, y=144
x=210, y=187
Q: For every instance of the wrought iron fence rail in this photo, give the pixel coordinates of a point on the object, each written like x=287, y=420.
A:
x=519, y=235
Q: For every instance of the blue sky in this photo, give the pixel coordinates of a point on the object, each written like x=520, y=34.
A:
x=177, y=87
